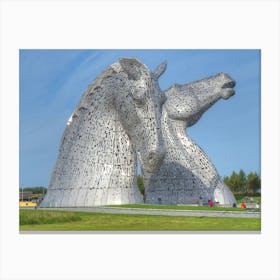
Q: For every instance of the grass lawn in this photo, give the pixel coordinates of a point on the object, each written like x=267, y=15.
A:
x=52, y=220
x=178, y=207
x=240, y=198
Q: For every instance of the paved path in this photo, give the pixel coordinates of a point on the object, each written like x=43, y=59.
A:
x=165, y=212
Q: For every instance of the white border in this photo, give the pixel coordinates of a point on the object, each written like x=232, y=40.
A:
x=157, y=24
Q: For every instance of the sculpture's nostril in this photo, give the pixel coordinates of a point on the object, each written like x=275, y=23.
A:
x=229, y=85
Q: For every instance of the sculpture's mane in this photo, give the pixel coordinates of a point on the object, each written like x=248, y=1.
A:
x=108, y=73
x=117, y=68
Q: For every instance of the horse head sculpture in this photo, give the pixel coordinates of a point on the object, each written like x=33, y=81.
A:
x=188, y=102
x=187, y=174
x=139, y=108
x=118, y=115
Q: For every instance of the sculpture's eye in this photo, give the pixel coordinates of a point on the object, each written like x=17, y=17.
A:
x=138, y=94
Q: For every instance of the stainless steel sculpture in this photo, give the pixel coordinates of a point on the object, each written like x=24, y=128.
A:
x=122, y=114
x=187, y=175
x=116, y=117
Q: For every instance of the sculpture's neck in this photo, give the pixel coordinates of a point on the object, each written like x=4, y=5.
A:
x=204, y=101
x=182, y=149
x=172, y=132
x=97, y=140
x=96, y=163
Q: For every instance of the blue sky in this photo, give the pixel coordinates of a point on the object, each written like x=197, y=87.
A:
x=52, y=82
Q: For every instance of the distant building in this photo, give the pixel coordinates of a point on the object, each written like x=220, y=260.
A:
x=25, y=195
x=30, y=196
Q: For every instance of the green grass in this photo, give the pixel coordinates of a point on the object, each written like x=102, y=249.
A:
x=178, y=207
x=29, y=217
x=88, y=221
x=240, y=198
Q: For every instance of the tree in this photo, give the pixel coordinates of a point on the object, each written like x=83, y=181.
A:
x=253, y=182
x=242, y=183
x=236, y=182
x=232, y=181
x=242, y=180
x=35, y=190
x=140, y=184
x=227, y=181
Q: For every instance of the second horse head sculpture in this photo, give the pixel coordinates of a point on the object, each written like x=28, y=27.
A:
x=187, y=175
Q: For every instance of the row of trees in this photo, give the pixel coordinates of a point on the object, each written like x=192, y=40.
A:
x=35, y=190
x=242, y=183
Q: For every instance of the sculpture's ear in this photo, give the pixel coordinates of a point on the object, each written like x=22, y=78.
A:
x=133, y=68
x=160, y=69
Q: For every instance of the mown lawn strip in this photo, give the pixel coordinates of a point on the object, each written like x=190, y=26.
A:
x=89, y=221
